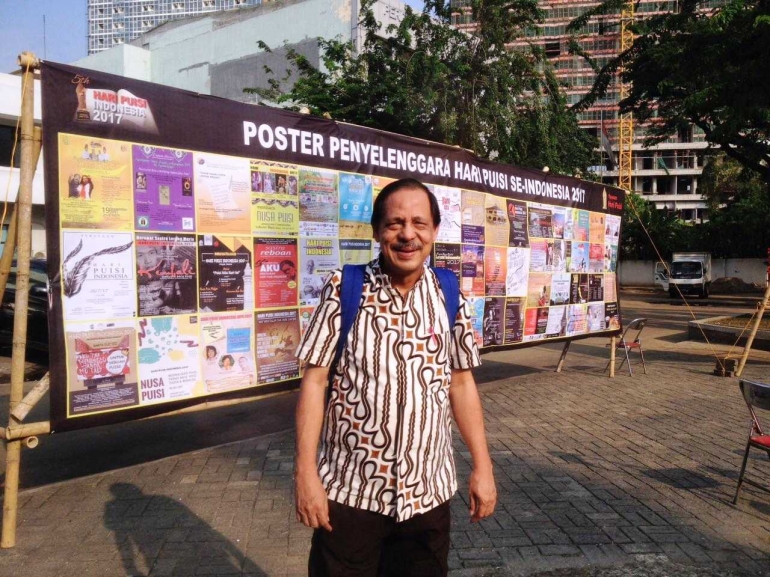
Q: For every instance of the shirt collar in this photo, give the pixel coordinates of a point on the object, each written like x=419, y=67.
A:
x=382, y=278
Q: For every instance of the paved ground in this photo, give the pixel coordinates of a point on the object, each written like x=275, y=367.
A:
x=598, y=477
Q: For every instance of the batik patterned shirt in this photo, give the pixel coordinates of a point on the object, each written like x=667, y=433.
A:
x=386, y=443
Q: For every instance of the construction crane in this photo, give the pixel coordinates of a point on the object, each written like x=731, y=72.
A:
x=626, y=124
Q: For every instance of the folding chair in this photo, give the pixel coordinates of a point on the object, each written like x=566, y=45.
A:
x=757, y=396
x=626, y=344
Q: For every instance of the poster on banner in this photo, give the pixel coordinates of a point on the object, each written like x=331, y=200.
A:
x=579, y=291
x=449, y=204
x=595, y=258
x=538, y=255
x=274, y=199
x=557, y=321
x=166, y=271
x=473, y=217
x=355, y=251
x=582, y=223
x=492, y=327
x=95, y=183
x=222, y=194
x=277, y=340
x=518, y=235
x=164, y=195
x=595, y=288
x=576, y=320
x=197, y=245
x=228, y=343
x=496, y=227
x=610, y=289
x=97, y=275
x=560, y=288
x=495, y=264
x=539, y=291
x=448, y=256
x=101, y=361
x=535, y=324
x=224, y=272
x=318, y=203
x=579, y=258
x=540, y=221
x=318, y=257
x=597, y=230
x=275, y=272
x=472, y=280
x=169, y=359
x=514, y=321
x=517, y=277
x=356, y=199
x=595, y=317
x=611, y=316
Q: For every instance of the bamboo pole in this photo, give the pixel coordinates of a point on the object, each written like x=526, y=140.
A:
x=28, y=63
x=749, y=341
x=10, y=244
x=16, y=432
x=563, y=357
x=31, y=399
x=613, y=344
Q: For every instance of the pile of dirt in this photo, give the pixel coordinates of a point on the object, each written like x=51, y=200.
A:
x=733, y=285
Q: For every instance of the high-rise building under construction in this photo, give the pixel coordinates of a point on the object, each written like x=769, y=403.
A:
x=667, y=173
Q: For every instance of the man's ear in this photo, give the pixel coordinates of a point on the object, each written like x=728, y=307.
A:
x=375, y=233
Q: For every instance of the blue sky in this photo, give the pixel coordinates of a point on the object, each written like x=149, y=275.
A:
x=21, y=28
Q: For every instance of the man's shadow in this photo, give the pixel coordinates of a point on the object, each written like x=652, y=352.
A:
x=170, y=535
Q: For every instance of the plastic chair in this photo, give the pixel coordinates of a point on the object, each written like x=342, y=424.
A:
x=757, y=396
x=626, y=344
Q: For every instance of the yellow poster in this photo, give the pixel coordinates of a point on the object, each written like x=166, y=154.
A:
x=95, y=183
x=496, y=228
x=274, y=199
x=222, y=193
x=596, y=227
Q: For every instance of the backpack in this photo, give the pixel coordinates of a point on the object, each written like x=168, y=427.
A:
x=352, y=286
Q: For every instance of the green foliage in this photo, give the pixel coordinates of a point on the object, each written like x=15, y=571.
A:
x=429, y=80
x=708, y=69
x=666, y=232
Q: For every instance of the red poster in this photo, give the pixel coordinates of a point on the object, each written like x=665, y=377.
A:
x=275, y=272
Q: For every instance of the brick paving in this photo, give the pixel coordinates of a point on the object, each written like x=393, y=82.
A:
x=632, y=472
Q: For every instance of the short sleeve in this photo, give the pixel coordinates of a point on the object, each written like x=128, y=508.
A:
x=465, y=353
x=318, y=344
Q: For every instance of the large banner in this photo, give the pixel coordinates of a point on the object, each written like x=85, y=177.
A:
x=189, y=238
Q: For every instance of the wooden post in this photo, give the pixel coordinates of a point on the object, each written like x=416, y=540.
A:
x=613, y=343
x=563, y=357
x=28, y=63
x=749, y=341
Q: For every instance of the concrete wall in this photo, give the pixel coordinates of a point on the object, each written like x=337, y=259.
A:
x=218, y=53
x=749, y=270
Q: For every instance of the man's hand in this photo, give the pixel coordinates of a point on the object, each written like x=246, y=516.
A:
x=482, y=494
x=312, y=503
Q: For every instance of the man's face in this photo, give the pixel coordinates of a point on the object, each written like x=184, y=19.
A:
x=289, y=271
x=147, y=257
x=407, y=232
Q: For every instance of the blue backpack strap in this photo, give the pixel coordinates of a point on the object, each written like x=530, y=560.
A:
x=451, y=289
x=351, y=288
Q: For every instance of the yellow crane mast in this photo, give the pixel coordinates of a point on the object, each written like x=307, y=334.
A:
x=626, y=124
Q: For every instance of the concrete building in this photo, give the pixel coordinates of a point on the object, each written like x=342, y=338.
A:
x=115, y=22
x=10, y=107
x=219, y=54
x=667, y=174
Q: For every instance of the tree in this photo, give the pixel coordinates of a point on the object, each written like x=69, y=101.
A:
x=698, y=66
x=430, y=80
x=667, y=233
